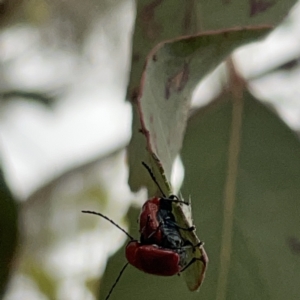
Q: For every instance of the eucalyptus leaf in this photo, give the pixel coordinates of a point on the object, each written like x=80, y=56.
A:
x=248, y=215
x=158, y=21
x=172, y=71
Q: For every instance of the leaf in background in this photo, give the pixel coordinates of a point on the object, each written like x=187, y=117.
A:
x=158, y=21
x=8, y=233
x=243, y=173
x=46, y=283
x=172, y=71
x=61, y=247
x=9, y=11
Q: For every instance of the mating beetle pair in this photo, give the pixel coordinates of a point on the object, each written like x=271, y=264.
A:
x=161, y=250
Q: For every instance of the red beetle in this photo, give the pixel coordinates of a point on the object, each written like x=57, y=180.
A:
x=149, y=258
x=157, y=223
x=153, y=259
x=162, y=250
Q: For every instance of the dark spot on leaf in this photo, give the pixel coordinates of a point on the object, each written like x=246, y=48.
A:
x=188, y=17
x=177, y=82
x=294, y=245
x=225, y=34
x=150, y=28
x=135, y=57
x=144, y=131
x=259, y=6
x=151, y=119
x=134, y=94
x=154, y=57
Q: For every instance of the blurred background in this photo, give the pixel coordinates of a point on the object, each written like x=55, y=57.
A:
x=64, y=126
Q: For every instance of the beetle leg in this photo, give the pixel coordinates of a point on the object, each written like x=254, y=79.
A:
x=197, y=246
x=174, y=198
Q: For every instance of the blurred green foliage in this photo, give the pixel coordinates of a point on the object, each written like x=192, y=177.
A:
x=8, y=233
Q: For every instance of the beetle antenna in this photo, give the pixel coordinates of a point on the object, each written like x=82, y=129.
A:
x=108, y=219
x=118, y=278
x=153, y=178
